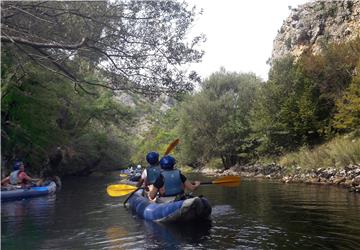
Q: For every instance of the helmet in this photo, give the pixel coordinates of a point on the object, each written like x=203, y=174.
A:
x=167, y=162
x=152, y=158
x=17, y=165
x=138, y=167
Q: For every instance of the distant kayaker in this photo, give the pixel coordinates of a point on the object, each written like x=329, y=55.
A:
x=151, y=172
x=18, y=176
x=131, y=170
x=171, y=182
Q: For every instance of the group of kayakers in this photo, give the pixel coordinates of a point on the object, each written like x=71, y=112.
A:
x=161, y=178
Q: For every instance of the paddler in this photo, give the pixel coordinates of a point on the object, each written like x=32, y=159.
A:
x=171, y=182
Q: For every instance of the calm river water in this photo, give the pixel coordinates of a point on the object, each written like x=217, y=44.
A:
x=259, y=214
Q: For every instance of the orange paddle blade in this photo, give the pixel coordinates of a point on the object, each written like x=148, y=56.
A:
x=227, y=179
x=171, y=146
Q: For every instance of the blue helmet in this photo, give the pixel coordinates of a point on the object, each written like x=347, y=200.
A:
x=152, y=158
x=167, y=162
x=17, y=165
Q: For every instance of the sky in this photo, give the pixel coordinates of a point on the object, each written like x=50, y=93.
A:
x=239, y=33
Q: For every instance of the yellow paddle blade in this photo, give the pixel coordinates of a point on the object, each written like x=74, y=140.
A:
x=117, y=190
x=171, y=146
x=227, y=179
x=123, y=175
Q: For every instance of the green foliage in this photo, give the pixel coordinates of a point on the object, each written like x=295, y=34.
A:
x=215, y=163
x=236, y=119
x=138, y=46
x=215, y=122
x=285, y=114
x=160, y=135
x=42, y=112
x=296, y=106
x=347, y=117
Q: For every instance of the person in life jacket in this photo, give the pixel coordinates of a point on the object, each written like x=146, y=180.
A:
x=171, y=181
x=18, y=176
x=152, y=171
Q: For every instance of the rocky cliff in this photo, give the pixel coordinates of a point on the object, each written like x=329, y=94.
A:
x=315, y=23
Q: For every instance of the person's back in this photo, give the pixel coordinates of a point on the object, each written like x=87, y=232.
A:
x=18, y=175
x=152, y=171
x=14, y=177
x=170, y=182
x=173, y=184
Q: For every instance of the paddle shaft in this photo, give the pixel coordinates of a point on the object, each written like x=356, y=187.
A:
x=131, y=195
x=206, y=182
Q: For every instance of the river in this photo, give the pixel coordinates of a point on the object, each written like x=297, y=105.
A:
x=258, y=214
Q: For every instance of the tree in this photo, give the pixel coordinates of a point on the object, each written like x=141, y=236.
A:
x=48, y=125
x=138, y=46
x=286, y=111
x=215, y=122
x=347, y=117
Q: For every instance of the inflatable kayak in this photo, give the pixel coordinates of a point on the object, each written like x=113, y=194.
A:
x=127, y=182
x=191, y=209
x=23, y=193
x=135, y=178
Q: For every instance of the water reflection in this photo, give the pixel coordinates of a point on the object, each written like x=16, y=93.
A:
x=174, y=236
x=116, y=236
x=255, y=215
x=23, y=220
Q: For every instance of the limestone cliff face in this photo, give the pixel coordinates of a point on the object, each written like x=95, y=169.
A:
x=316, y=22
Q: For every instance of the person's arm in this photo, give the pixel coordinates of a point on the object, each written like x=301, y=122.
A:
x=140, y=182
x=6, y=180
x=24, y=176
x=152, y=192
x=189, y=186
x=142, y=179
x=156, y=187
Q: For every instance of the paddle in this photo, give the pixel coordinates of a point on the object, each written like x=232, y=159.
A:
x=118, y=190
x=171, y=146
x=224, y=180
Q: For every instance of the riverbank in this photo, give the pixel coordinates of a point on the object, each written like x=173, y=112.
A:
x=347, y=177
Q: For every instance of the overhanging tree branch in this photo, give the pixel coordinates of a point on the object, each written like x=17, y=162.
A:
x=37, y=45
x=139, y=46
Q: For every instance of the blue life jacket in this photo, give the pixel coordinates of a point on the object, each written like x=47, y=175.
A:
x=172, y=182
x=152, y=173
x=14, y=177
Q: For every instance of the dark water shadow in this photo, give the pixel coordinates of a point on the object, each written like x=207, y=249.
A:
x=176, y=235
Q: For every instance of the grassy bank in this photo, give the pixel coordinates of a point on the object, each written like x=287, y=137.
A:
x=337, y=153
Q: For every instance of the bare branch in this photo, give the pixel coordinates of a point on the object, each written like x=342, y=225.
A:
x=10, y=39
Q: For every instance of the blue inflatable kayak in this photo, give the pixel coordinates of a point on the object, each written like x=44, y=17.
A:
x=191, y=209
x=21, y=193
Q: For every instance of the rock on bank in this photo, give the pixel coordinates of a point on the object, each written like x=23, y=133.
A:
x=347, y=177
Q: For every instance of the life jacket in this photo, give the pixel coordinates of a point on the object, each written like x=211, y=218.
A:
x=152, y=173
x=14, y=177
x=172, y=182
